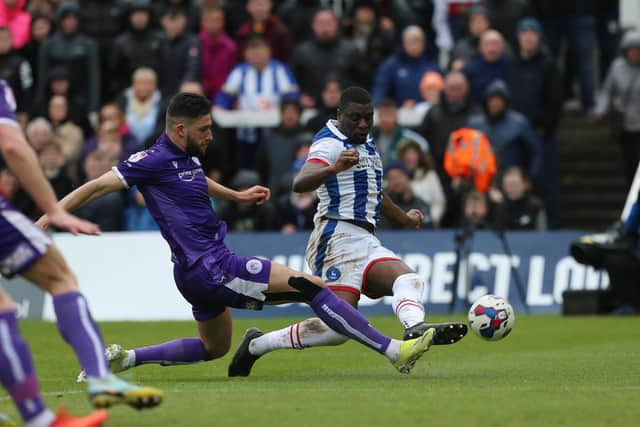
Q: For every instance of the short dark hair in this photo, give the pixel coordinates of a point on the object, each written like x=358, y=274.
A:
x=354, y=94
x=255, y=41
x=188, y=106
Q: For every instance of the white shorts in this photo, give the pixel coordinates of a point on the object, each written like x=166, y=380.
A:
x=342, y=253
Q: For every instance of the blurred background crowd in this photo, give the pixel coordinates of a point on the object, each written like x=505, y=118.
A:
x=468, y=96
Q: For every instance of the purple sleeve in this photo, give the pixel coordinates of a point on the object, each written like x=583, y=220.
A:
x=7, y=105
x=137, y=169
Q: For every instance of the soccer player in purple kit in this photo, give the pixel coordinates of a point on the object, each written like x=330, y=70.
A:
x=208, y=275
x=26, y=250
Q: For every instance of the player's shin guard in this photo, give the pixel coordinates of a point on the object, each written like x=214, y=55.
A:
x=177, y=352
x=78, y=328
x=408, y=290
x=17, y=374
x=340, y=316
x=308, y=333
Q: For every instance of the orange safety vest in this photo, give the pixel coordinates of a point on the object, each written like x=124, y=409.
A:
x=469, y=155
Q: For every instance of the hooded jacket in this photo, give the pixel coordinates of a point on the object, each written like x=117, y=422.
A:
x=514, y=142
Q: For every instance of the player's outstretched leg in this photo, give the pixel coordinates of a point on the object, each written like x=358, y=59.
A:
x=17, y=373
x=77, y=327
x=343, y=318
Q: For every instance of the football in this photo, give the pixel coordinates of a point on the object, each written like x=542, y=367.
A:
x=491, y=317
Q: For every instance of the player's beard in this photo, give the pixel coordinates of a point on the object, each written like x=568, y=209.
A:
x=193, y=148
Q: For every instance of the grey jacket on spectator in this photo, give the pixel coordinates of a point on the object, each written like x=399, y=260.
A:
x=79, y=54
x=621, y=89
x=180, y=62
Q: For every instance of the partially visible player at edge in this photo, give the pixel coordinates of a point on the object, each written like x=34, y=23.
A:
x=346, y=170
x=208, y=275
x=26, y=250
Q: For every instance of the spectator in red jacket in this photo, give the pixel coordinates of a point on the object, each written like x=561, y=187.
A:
x=262, y=23
x=13, y=16
x=219, y=51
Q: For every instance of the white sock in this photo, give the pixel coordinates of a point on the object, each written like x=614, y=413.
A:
x=129, y=361
x=308, y=333
x=393, y=351
x=44, y=419
x=408, y=290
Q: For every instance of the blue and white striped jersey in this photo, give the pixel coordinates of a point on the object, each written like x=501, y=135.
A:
x=257, y=90
x=356, y=193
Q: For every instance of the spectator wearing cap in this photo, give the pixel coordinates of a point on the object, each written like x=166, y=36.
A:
x=258, y=84
x=276, y=153
x=467, y=46
x=79, y=54
x=17, y=21
x=621, y=95
x=138, y=46
x=539, y=98
x=41, y=26
x=247, y=216
x=219, y=51
x=263, y=24
x=179, y=53
x=488, y=65
x=16, y=71
x=374, y=43
x=398, y=77
x=517, y=208
x=513, y=140
x=398, y=188
x=326, y=53
x=425, y=183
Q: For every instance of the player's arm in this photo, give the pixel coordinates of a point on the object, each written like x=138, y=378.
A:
x=314, y=173
x=411, y=219
x=88, y=192
x=24, y=164
x=256, y=194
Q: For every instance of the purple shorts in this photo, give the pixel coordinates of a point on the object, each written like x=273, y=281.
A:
x=214, y=283
x=22, y=243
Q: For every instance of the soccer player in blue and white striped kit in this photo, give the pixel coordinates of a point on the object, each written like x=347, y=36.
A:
x=346, y=170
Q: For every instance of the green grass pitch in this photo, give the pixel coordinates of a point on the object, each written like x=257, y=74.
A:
x=551, y=371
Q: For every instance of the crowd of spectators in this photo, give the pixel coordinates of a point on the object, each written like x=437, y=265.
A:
x=92, y=80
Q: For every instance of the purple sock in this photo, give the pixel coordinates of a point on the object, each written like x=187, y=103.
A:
x=343, y=318
x=177, y=352
x=16, y=369
x=78, y=328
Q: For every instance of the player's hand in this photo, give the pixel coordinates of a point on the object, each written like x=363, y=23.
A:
x=414, y=218
x=347, y=159
x=65, y=221
x=256, y=194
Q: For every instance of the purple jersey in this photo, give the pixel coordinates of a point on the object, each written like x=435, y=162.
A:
x=175, y=191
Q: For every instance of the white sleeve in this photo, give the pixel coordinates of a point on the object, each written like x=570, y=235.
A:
x=325, y=150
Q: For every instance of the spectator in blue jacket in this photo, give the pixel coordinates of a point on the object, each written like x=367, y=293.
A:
x=513, y=140
x=488, y=65
x=398, y=77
